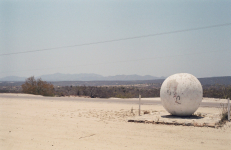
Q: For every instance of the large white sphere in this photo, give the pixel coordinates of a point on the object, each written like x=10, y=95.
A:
x=181, y=94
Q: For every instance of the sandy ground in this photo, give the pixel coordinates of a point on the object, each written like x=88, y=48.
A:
x=46, y=124
x=205, y=99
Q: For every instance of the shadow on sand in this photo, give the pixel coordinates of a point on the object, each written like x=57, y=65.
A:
x=182, y=117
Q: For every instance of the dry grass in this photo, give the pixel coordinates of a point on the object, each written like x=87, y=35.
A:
x=224, y=113
x=146, y=112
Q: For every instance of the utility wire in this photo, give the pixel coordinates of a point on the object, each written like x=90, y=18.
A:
x=122, y=39
x=123, y=61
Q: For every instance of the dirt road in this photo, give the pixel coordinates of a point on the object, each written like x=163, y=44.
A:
x=100, y=100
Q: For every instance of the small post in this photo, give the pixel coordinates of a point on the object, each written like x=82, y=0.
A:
x=228, y=109
x=139, y=103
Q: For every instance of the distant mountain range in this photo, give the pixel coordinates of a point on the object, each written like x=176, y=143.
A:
x=59, y=79
x=12, y=78
x=84, y=77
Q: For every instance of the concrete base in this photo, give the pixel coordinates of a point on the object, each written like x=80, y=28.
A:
x=198, y=120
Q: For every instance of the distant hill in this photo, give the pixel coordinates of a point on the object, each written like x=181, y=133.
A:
x=71, y=77
x=59, y=79
x=84, y=77
x=215, y=80
x=94, y=77
x=204, y=81
x=13, y=78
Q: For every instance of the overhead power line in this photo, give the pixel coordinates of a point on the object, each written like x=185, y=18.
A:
x=123, y=61
x=121, y=39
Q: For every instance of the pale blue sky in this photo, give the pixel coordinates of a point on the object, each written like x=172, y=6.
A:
x=34, y=25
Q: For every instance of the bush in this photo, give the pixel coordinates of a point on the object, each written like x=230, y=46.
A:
x=39, y=87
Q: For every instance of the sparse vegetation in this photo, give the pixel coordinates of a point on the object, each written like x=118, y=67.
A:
x=107, y=91
x=119, y=91
x=146, y=112
x=217, y=91
x=224, y=113
x=213, y=91
x=37, y=87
